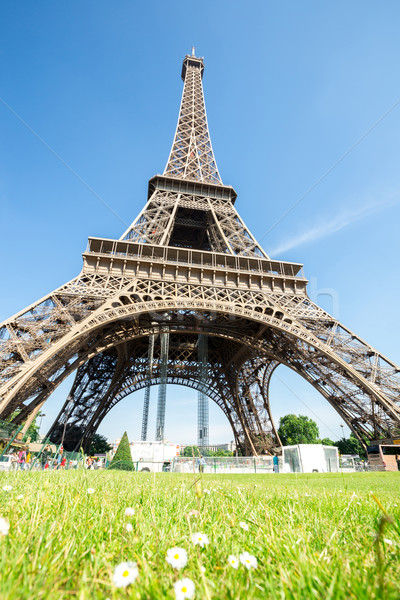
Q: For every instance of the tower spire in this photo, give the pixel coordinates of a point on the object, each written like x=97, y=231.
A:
x=192, y=155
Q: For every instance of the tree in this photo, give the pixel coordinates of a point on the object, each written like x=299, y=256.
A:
x=69, y=435
x=351, y=446
x=33, y=429
x=222, y=453
x=299, y=429
x=328, y=442
x=99, y=444
x=191, y=451
x=123, y=458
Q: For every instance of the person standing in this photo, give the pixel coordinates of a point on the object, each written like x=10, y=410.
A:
x=21, y=459
x=202, y=464
x=275, y=462
x=44, y=457
x=14, y=461
x=398, y=461
x=59, y=457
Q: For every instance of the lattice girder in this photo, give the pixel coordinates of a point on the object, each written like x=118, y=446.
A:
x=191, y=155
x=280, y=340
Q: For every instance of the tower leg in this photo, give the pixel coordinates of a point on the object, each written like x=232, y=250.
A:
x=202, y=403
x=146, y=403
x=162, y=391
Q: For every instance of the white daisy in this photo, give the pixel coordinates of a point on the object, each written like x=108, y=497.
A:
x=129, y=512
x=7, y=488
x=128, y=527
x=244, y=525
x=202, y=569
x=200, y=539
x=4, y=526
x=233, y=561
x=90, y=491
x=177, y=557
x=20, y=497
x=184, y=589
x=124, y=574
x=248, y=560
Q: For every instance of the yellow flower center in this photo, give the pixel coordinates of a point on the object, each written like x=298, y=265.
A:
x=247, y=560
x=176, y=556
x=184, y=590
x=125, y=574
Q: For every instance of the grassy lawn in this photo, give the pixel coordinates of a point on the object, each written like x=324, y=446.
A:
x=319, y=536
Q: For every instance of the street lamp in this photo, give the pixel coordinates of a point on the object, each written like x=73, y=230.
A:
x=41, y=415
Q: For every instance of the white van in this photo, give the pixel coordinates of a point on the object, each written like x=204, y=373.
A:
x=5, y=462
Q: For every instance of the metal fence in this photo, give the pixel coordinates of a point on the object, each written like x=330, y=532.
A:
x=221, y=465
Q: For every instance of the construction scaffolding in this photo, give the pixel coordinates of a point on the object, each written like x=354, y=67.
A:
x=146, y=403
x=162, y=390
x=202, y=404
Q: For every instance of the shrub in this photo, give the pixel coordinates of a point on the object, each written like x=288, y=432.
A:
x=122, y=458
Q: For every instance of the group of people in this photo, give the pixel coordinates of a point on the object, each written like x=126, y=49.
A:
x=23, y=459
x=94, y=462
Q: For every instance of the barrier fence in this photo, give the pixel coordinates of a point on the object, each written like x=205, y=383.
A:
x=221, y=465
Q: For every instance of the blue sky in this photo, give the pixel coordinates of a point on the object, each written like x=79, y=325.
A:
x=303, y=103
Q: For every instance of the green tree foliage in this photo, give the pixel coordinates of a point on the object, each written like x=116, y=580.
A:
x=221, y=453
x=197, y=452
x=192, y=451
x=99, y=444
x=351, y=446
x=71, y=437
x=328, y=442
x=122, y=458
x=298, y=429
x=33, y=429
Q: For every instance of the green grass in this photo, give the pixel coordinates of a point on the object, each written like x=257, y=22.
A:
x=314, y=536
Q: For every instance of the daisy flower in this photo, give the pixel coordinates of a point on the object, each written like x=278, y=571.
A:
x=129, y=511
x=193, y=513
x=90, y=491
x=124, y=574
x=4, y=526
x=184, y=589
x=200, y=539
x=20, y=497
x=177, y=557
x=248, y=560
x=233, y=561
x=7, y=488
x=244, y=525
x=128, y=527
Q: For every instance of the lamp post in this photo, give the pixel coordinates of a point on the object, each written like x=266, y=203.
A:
x=41, y=415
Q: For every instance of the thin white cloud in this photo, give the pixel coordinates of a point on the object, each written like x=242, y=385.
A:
x=332, y=225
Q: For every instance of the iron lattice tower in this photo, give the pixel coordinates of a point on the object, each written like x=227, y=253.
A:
x=188, y=266
x=202, y=400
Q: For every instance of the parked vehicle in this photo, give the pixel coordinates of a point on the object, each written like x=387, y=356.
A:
x=6, y=462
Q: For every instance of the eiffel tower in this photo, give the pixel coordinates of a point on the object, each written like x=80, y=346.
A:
x=189, y=269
